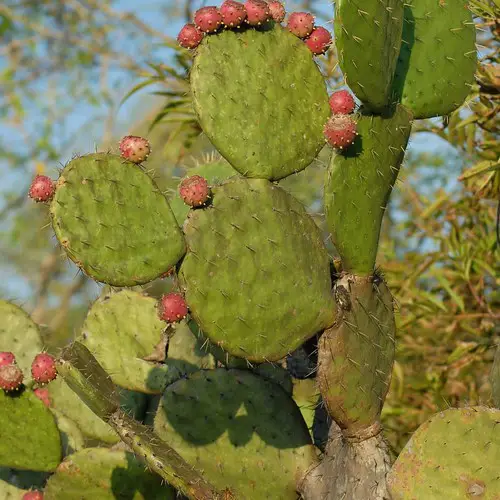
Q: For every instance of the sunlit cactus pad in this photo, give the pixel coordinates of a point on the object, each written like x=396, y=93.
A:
x=358, y=184
x=103, y=474
x=29, y=438
x=356, y=356
x=120, y=330
x=113, y=221
x=438, y=58
x=368, y=40
x=19, y=335
x=240, y=429
x=455, y=454
x=261, y=100
x=256, y=275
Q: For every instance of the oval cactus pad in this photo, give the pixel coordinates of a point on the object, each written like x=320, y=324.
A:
x=261, y=100
x=256, y=275
x=240, y=429
x=113, y=221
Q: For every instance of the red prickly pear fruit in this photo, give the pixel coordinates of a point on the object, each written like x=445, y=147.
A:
x=43, y=368
x=11, y=377
x=189, y=36
x=342, y=103
x=194, y=191
x=173, y=307
x=135, y=149
x=33, y=495
x=277, y=11
x=7, y=358
x=208, y=19
x=43, y=396
x=340, y=131
x=233, y=13
x=42, y=188
x=301, y=24
x=319, y=41
x=257, y=12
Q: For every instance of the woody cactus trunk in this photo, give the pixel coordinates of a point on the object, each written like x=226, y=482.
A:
x=208, y=387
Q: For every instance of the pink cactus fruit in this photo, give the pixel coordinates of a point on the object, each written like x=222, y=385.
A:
x=11, y=377
x=319, y=41
x=172, y=307
x=134, y=148
x=7, y=358
x=208, y=19
x=277, y=11
x=194, y=191
x=189, y=36
x=33, y=495
x=43, y=368
x=42, y=188
x=342, y=103
x=340, y=131
x=43, y=395
x=233, y=13
x=257, y=12
x=301, y=24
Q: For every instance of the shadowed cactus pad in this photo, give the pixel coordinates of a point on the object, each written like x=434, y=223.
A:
x=240, y=429
x=356, y=356
x=358, y=185
x=261, y=100
x=40, y=450
x=256, y=234
x=100, y=473
x=368, y=39
x=120, y=330
x=19, y=335
x=438, y=58
x=113, y=221
x=455, y=454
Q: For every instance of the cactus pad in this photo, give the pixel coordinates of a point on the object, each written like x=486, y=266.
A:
x=256, y=233
x=113, y=222
x=358, y=185
x=240, y=430
x=261, y=100
x=438, y=57
x=455, y=454
x=120, y=330
x=19, y=335
x=355, y=357
x=99, y=473
x=368, y=40
x=214, y=172
x=40, y=450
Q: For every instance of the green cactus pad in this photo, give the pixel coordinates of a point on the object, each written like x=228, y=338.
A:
x=240, y=429
x=113, y=221
x=100, y=473
x=72, y=439
x=495, y=379
x=438, y=59
x=455, y=455
x=355, y=357
x=120, y=330
x=358, y=185
x=19, y=335
x=256, y=234
x=261, y=100
x=215, y=173
x=368, y=40
x=38, y=449
x=10, y=492
x=307, y=396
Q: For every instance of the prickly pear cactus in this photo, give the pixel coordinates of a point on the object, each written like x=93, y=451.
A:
x=455, y=454
x=495, y=379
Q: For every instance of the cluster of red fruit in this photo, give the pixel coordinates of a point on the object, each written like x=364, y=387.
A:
x=340, y=130
x=233, y=14
x=43, y=371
